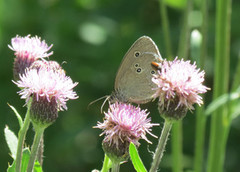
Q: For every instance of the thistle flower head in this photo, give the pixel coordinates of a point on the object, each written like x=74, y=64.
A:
x=179, y=84
x=27, y=50
x=49, y=89
x=30, y=47
x=125, y=122
x=47, y=83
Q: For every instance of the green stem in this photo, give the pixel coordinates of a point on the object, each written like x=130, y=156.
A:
x=107, y=163
x=115, y=167
x=219, y=119
x=201, y=118
x=161, y=146
x=199, y=139
x=204, y=31
x=176, y=141
x=40, y=151
x=21, y=139
x=38, y=135
x=183, y=45
x=166, y=30
x=231, y=108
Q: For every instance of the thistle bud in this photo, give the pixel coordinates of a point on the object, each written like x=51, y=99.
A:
x=27, y=50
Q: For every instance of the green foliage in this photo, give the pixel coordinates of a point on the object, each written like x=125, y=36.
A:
x=107, y=164
x=220, y=101
x=25, y=159
x=136, y=160
x=11, y=140
x=20, y=121
x=37, y=167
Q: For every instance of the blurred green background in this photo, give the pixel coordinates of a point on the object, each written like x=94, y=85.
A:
x=92, y=36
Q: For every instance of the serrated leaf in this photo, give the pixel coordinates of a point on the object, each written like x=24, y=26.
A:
x=220, y=101
x=11, y=168
x=136, y=160
x=11, y=140
x=20, y=121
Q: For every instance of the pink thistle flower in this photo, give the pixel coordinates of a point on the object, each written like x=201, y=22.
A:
x=47, y=83
x=125, y=123
x=27, y=50
x=30, y=47
x=49, y=90
x=179, y=83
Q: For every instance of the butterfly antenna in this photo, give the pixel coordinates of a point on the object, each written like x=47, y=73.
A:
x=94, y=101
x=107, y=98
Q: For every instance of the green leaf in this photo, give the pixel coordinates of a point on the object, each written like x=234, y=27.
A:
x=136, y=160
x=25, y=159
x=37, y=167
x=11, y=168
x=20, y=121
x=225, y=98
x=107, y=164
x=12, y=141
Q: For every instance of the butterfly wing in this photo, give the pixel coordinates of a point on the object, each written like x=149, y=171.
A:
x=134, y=77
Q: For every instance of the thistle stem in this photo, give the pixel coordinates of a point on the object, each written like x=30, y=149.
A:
x=38, y=135
x=161, y=146
x=21, y=138
x=40, y=151
x=115, y=167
